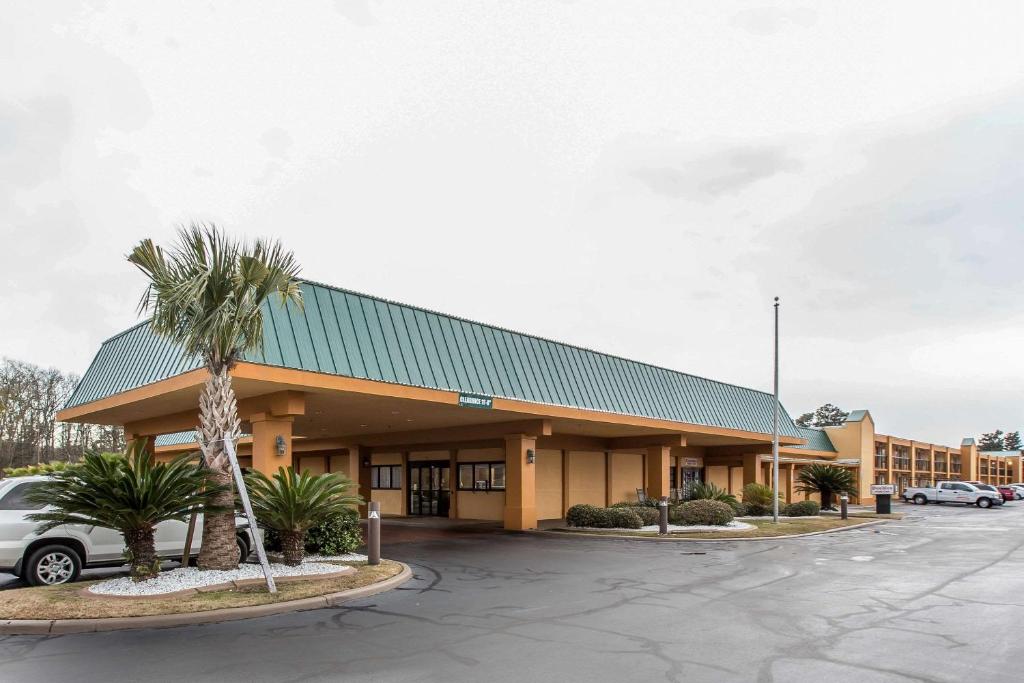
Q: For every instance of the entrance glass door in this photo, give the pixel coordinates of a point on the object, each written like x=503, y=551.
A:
x=429, y=488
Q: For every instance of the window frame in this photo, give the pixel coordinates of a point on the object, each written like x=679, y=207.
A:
x=489, y=479
x=375, y=478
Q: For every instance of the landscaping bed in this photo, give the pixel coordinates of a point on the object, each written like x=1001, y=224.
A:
x=761, y=528
x=68, y=602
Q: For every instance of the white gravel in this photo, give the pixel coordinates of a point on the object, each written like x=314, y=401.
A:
x=347, y=557
x=676, y=528
x=190, y=577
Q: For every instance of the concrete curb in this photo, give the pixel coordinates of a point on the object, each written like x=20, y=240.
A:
x=64, y=626
x=679, y=539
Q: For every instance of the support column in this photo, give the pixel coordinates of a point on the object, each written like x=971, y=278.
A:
x=608, y=456
x=679, y=475
x=150, y=441
x=403, y=508
x=520, y=483
x=566, y=488
x=658, y=462
x=786, y=481
x=266, y=456
x=365, y=455
x=453, y=483
x=752, y=471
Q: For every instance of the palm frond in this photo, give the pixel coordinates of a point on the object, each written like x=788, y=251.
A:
x=125, y=494
x=207, y=292
x=295, y=502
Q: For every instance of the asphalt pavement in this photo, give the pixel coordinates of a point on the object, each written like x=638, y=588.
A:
x=938, y=596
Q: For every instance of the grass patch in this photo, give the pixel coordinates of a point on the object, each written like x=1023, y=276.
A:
x=66, y=602
x=764, y=528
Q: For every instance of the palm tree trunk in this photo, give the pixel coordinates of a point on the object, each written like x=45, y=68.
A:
x=826, y=499
x=142, y=553
x=218, y=418
x=293, y=547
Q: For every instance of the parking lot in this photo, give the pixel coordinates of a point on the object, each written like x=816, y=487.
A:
x=932, y=597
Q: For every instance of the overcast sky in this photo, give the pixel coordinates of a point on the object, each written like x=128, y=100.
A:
x=638, y=178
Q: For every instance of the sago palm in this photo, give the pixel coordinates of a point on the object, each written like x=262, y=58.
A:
x=708, y=491
x=206, y=295
x=826, y=480
x=291, y=503
x=130, y=494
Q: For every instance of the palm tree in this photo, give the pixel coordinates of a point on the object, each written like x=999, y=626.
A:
x=130, y=494
x=206, y=295
x=826, y=480
x=291, y=503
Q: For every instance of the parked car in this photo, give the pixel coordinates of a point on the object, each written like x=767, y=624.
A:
x=1009, y=493
x=60, y=554
x=989, y=487
x=953, y=492
x=1018, y=491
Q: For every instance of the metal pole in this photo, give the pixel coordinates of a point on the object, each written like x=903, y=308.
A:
x=373, y=533
x=229, y=446
x=775, y=430
x=663, y=515
x=844, y=510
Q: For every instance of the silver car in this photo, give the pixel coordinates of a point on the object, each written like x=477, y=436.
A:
x=60, y=554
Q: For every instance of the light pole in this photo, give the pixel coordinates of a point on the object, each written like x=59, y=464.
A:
x=775, y=425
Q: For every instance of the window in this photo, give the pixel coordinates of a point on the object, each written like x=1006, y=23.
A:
x=386, y=477
x=15, y=498
x=482, y=476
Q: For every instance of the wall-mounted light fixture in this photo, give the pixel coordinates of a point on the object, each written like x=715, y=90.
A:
x=282, y=447
x=530, y=456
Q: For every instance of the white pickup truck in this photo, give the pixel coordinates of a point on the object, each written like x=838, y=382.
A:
x=952, y=492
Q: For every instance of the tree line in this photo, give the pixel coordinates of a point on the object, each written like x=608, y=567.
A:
x=30, y=397
x=1000, y=441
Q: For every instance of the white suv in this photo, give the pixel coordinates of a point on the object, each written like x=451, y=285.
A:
x=58, y=555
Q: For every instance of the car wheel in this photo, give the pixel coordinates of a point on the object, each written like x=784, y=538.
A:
x=920, y=499
x=984, y=503
x=243, y=549
x=51, y=565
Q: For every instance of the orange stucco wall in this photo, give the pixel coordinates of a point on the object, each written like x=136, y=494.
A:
x=626, y=476
x=718, y=475
x=549, y=484
x=586, y=474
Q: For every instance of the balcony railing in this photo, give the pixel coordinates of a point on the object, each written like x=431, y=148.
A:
x=901, y=463
x=923, y=465
x=955, y=468
x=881, y=462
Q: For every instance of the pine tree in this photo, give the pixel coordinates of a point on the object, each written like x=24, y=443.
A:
x=991, y=441
x=1011, y=442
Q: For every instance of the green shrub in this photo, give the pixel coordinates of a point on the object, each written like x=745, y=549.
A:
x=621, y=518
x=604, y=518
x=804, y=508
x=708, y=491
x=706, y=512
x=648, y=515
x=758, y=499
x=739, y=509
x=583, y=515
x=335, y=536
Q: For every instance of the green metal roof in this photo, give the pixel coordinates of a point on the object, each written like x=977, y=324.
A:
x=817, y=440
x=354, y=335
x=180, y=438
x=176, y=439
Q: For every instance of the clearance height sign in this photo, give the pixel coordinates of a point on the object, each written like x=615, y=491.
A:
x=475, y=401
